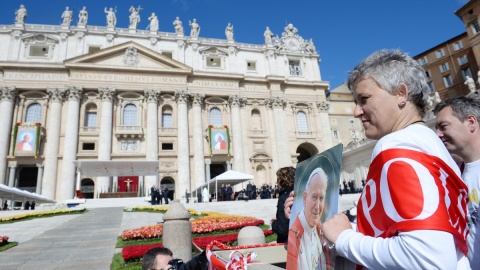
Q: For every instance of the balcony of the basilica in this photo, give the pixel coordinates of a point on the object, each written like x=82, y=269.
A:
x=89, y=130
x=129, y=132
x=304, y=134
x=257, y=133
x=167, y=132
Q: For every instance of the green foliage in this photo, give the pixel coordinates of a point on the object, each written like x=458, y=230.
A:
x=118, y=263
x=7, y=246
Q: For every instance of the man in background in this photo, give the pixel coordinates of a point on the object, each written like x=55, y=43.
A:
x=458, y=127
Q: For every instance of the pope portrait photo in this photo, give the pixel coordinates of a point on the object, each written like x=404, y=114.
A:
x=316, y=200
x=25, y=141
x=220, y=141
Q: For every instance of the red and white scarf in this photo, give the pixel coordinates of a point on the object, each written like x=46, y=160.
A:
x=409, y=190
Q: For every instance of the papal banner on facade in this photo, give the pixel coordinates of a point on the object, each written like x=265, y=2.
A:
x=219, y=140
x=27, y=139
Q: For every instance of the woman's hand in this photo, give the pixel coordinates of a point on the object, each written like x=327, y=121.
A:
x=288, y=205
x=335, y=226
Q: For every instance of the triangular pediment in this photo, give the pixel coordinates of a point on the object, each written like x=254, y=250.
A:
x=128, y=56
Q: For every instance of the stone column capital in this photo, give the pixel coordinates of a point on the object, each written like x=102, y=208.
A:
x=56, y=94
x=236, y=100
x=107, y=94
x=8, y=93
x=152, y=95
x=182, y=96
x=74, y=93
x=323, y=106
x=276, y=102
x=197, y=99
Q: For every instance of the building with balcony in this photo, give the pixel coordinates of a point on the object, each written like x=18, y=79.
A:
x=106, y=93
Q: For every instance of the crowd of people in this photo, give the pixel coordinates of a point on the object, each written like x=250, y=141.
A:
x=159, y=194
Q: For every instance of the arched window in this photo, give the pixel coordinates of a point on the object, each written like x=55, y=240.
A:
x=167, y=120
x=302, y=122
x=91, y=115
x=34, y=113
x=130, y=115
x=215, y=117
x=256, y=120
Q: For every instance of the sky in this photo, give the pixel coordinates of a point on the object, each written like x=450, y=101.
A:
x=343, y=31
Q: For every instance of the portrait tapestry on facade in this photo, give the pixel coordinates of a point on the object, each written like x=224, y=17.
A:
x=316, y=200
x=219, y=140
x=26, y=139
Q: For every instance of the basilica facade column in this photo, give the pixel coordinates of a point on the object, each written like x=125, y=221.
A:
x=105, y=137
x=323, y=123
x=11, y=176
x=281, y=137
x=39, y=178
x=53, y=137
x=7, y=100
x=237, y=130
x=152, y=132
x=66, y=185
x=183, y=166
x=198, y=140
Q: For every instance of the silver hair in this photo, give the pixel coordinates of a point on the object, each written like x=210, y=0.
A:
x=320, y=172
x=389, y=69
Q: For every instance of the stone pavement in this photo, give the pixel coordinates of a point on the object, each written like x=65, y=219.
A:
x=87, y=241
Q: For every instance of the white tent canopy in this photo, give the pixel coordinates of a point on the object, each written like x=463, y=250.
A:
x=116, y=168
x=229, y=177
x=15, y=194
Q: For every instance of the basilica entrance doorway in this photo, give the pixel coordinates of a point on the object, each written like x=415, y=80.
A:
x=306, y=151
x=170, y=183
x=87, y=187
x=217, y=169
x=27, y=178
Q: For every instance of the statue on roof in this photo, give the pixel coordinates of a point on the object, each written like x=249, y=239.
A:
x=178, y=26
x=268, y=36
x=111, y=17
x=229, y=32
x=20, y=15
x=134, y=17
x=153, y=22
x=195, y=28
x=290, y=30
x=82, y=17
x=67, y=17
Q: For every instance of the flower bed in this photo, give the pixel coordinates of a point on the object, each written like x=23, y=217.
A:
x=41, y=214
x=212, y=222
x=135, y=253
x=157, y=208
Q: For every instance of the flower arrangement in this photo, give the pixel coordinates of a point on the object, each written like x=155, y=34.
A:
x=155, y=208
x=210, y=223
x=135, y=253
x=41, y=214
x=3, y=240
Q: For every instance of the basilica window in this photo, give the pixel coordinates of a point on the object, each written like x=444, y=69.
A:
x=215, y=117
x=94, y=49
x=251, y=66
x=214, y=62
x=130, y=115
x=302, y=122
x=39, y=50
x=91, y=116
x=34, y=113
x=294, y=66
x=167, y=119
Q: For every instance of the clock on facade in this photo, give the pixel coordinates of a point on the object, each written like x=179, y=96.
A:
x=292, y=44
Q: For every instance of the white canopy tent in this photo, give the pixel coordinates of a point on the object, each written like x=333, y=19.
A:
x=229, y=177
x=116, y=168
x=15, y=194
